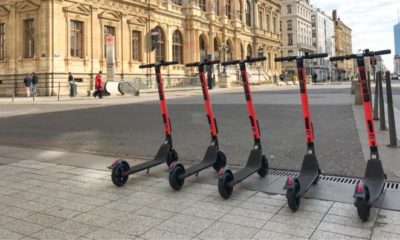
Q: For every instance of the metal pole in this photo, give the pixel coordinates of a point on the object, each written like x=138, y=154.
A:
x=58, y=95
x=392, y=124
x=13, y=94
x=376, y=95
x=381, y=105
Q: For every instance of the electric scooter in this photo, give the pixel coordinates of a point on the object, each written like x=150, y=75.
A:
x=257, y=162
x=296, y=187
x=370, y=189
x=166, y=153
x=214, y=156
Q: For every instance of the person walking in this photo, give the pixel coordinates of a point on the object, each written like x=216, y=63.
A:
x=98, y=86
x=28, y=84
x=35, y=81
x=72, y=85
x=314, y=77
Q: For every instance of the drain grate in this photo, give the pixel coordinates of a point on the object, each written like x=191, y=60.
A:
x=328, y=178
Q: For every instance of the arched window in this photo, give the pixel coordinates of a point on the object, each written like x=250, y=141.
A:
x=203, y=47
x=203, y=5
x=216, y=7
x=217, y=48
x=228, y=8
x=242, y=55
x=229, y=52
x=249, y=50
x=177, y=2
x=160, y=47
x=177, y=50
x=240, y=9
x=248, y=13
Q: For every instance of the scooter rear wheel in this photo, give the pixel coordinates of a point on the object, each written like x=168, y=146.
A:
x=316, y=180
x=221, y=161
x=175, y=181
x=173, y=157
x=264, y=167
x=224, y=188
x=293, y=198
x=363, y=209
x=117, y=174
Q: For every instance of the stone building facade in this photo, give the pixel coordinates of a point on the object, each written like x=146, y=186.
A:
x=54, y=37
x=344, y=46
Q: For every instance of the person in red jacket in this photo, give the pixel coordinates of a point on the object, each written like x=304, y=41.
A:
x=98, y=86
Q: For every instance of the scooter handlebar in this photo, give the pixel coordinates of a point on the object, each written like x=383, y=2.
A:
x=161, y=63
x=195, y=64
x=317, y=55
x=147, y=65
x=284, y=59
x=168, y=63
x=231, y=63
x=382, y=52
x=342, y=58
x=255, y=59
x=205, y=62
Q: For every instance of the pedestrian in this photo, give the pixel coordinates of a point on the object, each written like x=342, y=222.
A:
x=98, y=86
x=72, y=85
x=314, y=77
x=35, y=81
x=28, y=84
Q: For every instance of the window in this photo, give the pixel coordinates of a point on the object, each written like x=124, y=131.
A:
x=136, y=46
x=108, y=31
x=203, y=5
x=289, y=25
x=290, y=53
x=290, y=39
x=228, y=8
x=160, y=48
x=248, y=13
x=29, y=38
x=203, y=47
x=260, y=20
x=289, y=9
x=216, y=7
x=274, y=24
x=268, y=19
x=2, y=41
x=217, y=46
x=240, y=9
x=249, y=50
x=76, y=39
x=177, y=2
x=177, y=47
x=269, y=61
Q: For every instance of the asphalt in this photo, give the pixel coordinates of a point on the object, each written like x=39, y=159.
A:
x=135, y=130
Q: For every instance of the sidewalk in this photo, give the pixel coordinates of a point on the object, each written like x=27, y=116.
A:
x=60, y=195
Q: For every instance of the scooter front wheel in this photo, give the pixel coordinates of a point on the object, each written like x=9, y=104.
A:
x=363, y=209
x=293, y=198
x=221, y=161
x=224, y=187
x=264, y=167
x=316, y=180
x=172, y=157
x=117, y=176
x=175, y=180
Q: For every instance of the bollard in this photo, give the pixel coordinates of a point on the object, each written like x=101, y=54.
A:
x=381, y=105
x=376, y=96
x=392, y=124
x=58, y=95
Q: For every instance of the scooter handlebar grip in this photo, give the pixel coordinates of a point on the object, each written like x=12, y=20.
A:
x=169, y=63
x=283, y=59
x=255, y=59
x=230, y=63
x=213, y=62
x=193, y=64
x=383, y=52
x=334, y=59
x=317, y=55
x=147, y=65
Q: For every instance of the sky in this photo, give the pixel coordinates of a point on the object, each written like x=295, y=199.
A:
x=371, y=22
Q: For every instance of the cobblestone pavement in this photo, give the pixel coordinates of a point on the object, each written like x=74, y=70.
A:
x=40, y=200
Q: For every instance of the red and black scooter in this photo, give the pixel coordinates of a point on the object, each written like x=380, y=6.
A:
x=310, y=171
x=370, y=189
x=166, y=153
x=257, y=162
x=214, y=156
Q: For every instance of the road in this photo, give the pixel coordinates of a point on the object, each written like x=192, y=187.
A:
x=136, y=129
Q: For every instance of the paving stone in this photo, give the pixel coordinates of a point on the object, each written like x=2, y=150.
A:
x=276, y=236
x=378, y=235
x=203, y=213
x=6, y=219
x=267, y=201
x=43, y=219
x=123, y=206
x=322, y=235
x=107, y=235
x=76, y=228
x=180, y=229
x=8, y=191
x=354, y=222
x=387, y=216
x=243, y=221
x=216, y=199
x=349, y=210
x=142, y=198
x=160, y=234
x=22, y=227
x=251, y=213
x=302, y=213
x=51, y=234
x=142, y=220
x=221, y=230
x=15, y=212
x=25, y=195
x=170, y=206
x=291, y=229
x=191, y=221
x=155, y=213
x=345, y=230
x=61, y=212
x=127, y=227
x=213, y=206
x=293, y=220
x=109, y=213
x=260, y=207
x=94, y=220
x=5, y=234
x=392, y=228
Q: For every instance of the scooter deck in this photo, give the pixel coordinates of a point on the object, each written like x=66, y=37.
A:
x=209, y=159
x=374, y=179
x=308, y=173
x=161, y=157
x=254, y=163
